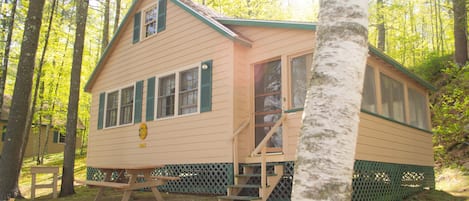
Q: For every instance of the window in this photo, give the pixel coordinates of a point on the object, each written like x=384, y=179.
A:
x=189, y=83
x=166, y=96
x=369, y=91
x=119, y=107
x=111, y=108
x=418, y=109
x=150, y=21
x=300, y=76
x=59, y=137
x=181, y=88
x=127, y=103
x=392, y=98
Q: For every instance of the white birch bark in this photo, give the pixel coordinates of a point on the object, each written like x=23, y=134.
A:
x=326, y=147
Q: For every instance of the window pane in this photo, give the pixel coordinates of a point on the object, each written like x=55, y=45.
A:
x=150, y=21
x=300, y=75
x=392, y=98
x=369, y=91
x=127, y=105
x=166, y=90
x=111, y=108
x=189, y=82
x=418, y=109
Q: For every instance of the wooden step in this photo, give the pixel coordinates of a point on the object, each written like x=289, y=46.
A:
x=269, y=164
x=254, y=175
x=239, y=198
x=244, y=186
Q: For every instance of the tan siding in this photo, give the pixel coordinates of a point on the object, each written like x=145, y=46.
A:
x=32, y=146
x=386, y=141
x=268, y=43
x=195, y=138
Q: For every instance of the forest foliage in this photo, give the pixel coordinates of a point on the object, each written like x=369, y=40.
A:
x=419, y=34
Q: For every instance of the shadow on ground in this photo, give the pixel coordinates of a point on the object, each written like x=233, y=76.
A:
x=435, y=195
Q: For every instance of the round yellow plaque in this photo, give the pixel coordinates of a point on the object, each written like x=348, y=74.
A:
x=142, y=131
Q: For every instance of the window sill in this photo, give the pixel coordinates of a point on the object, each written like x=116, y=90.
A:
x=177, y=116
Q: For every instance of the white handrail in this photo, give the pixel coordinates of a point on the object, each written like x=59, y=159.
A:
x=267, y=137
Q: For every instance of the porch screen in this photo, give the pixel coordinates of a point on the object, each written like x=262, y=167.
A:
x=300, y=76
x=392, y=98
x=268, y=104
x=369, y=91
x=418, y=109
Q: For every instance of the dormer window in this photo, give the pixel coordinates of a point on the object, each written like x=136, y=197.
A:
x=149, y=21
x=151, y=16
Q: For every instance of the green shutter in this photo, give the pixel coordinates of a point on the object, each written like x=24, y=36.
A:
x=102, y=98
x=150, y=113
x=206, y=87
x=56, y=137
x=137, y=24
x=138, y=102
x=161, y=15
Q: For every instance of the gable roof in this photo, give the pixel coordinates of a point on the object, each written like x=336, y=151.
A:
x=218, y=22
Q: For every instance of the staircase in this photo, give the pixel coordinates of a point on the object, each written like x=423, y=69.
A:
x=249, y=184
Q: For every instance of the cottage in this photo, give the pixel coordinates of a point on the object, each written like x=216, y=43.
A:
x=55, y=140
x=216, y=98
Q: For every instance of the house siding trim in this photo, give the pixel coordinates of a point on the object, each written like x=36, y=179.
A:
x=267, y=23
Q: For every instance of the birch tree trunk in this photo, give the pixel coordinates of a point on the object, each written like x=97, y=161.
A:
x=326, y=147
x=72, y=114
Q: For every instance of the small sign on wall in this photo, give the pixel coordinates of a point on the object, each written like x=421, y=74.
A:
x=143, y=133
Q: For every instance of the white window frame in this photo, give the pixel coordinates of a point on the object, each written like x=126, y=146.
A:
x=177, y=89
x=143, y=30
x=119, y=94
x=291, y=105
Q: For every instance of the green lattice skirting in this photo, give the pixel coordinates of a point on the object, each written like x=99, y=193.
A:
x=372, y=180
x=388, y=181
x=195, y=178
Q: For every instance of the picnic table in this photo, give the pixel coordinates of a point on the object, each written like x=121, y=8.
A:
x=130, y=174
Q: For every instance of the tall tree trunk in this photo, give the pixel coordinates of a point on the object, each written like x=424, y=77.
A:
x=381, y=27
x=117, y=15
x=72, y=114
x=326, y=146
x=105, y=39
x=16, y=137
x=38, y=81
x=6, y=54
x=460, y=31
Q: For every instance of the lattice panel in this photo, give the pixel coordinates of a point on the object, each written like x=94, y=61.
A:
x=387, y=181
x=195, y=178
x=198, y=178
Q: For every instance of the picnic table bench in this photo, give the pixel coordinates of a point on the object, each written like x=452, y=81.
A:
x=132, y=173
